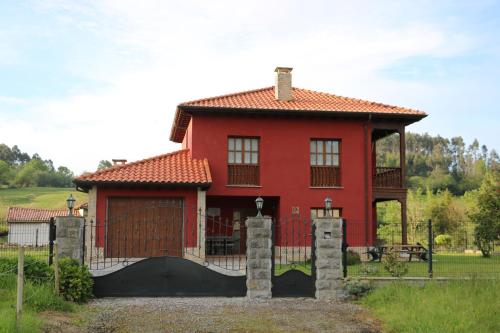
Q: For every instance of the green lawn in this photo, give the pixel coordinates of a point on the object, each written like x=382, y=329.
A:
x=454, y=306
x=444, y=265
x=37, y=197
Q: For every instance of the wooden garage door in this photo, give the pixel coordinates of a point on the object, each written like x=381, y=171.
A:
x=144, y=227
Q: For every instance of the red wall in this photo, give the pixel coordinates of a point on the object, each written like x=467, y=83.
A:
x=189, y=196
x=284, y=162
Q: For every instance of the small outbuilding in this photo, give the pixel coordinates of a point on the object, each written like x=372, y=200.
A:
x=30, y=226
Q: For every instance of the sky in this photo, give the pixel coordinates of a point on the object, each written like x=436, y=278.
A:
x=82, y=81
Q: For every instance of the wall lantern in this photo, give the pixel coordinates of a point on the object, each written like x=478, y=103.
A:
x=260, y=203
x=328, y=206
x=70, y=202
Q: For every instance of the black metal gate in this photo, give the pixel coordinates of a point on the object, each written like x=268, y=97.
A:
x=293, y=258
x=154, y=247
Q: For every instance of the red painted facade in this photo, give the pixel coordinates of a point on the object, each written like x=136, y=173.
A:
x=285, y=164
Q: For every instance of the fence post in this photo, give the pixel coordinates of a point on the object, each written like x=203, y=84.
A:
x=430, y=249
x=52, y=237
x=56, y=270
x=344, y=247
x=20, y=285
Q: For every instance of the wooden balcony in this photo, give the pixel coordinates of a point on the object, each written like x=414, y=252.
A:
x=243, y=174
x=325, y=176
x=385, y=177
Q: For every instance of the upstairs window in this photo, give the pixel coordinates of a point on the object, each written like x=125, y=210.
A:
x=243, y=161
x=325, y=163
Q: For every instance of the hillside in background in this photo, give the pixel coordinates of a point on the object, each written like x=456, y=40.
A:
x=37, y=197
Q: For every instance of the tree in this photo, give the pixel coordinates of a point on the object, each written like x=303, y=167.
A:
x=487, y=214
x=103, y=164
x=6, y=173
x=31, y=173
x=6, y=154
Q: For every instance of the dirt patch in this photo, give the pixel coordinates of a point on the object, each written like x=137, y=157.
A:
x=123, y=315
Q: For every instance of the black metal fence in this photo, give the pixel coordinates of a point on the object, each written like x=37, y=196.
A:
x=182, y=232
x=292, y=245
x=445, y=250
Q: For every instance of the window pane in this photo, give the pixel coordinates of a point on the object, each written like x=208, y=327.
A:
x=237, y=158
x=328, y=159
x=336, y=213
x=247, y=144
x=255, y=158
x=319, y=159
x=321, y=213
x=335, y=147
x=231, y=144
x=238, y=144
x=328, y=146
x=335, y=160
x=230, y=158
x=313, y=213
x=255, y=144
x=313, y=159
x=320, y=146
x=313, y=146
x=247, y=157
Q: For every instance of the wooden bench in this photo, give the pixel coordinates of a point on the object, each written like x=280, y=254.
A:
x=377, y=252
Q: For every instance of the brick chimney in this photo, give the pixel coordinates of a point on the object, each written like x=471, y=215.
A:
x=283, y=85
x=119, y=161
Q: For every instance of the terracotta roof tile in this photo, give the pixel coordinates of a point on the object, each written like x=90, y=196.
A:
x=21, y=214
x=303, y=100
x=173, y=168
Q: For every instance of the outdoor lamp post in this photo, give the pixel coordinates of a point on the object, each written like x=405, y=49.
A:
x=70, y=202
x=259, y=202
x=328, y=206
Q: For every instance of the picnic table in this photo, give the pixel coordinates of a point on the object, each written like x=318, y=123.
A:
x=417, y=250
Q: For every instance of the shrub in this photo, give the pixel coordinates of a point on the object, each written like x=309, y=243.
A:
x=35, y=270
x=75, y=281
x=41, y=297
x=357, y=287
x=353, y=258
x=368, y=270
x=443, y=240
x=394, y=266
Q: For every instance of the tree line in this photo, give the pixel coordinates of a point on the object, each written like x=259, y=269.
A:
x=435, y=163
x=19, y=169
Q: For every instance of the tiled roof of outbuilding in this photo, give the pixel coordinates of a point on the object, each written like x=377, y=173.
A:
x=21, y=214
x=176, y=168
x=303, y=101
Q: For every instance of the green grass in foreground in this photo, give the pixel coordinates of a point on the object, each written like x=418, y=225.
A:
x=37, y=197
x=441, y=307
x=444, y=265
x=37, y=298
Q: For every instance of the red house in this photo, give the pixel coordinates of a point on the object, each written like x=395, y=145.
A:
x=293, y=147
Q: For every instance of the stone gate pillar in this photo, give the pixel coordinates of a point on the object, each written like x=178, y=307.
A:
x=328, y=234
x=259, y=242
x=69, y=237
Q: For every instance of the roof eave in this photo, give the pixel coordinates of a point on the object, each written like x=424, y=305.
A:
x=87, y=184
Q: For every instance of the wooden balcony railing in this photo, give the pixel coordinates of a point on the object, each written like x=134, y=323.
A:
x=243, y=174
x=324, y=176
x=387, y=177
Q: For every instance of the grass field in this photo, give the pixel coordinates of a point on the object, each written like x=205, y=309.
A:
x=37, y=197
x=444, y=265
x=457, y=306
x=37, y=298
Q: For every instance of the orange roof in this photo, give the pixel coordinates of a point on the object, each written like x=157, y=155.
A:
x=303, y=101
x=20, y=214
x=173, y=168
